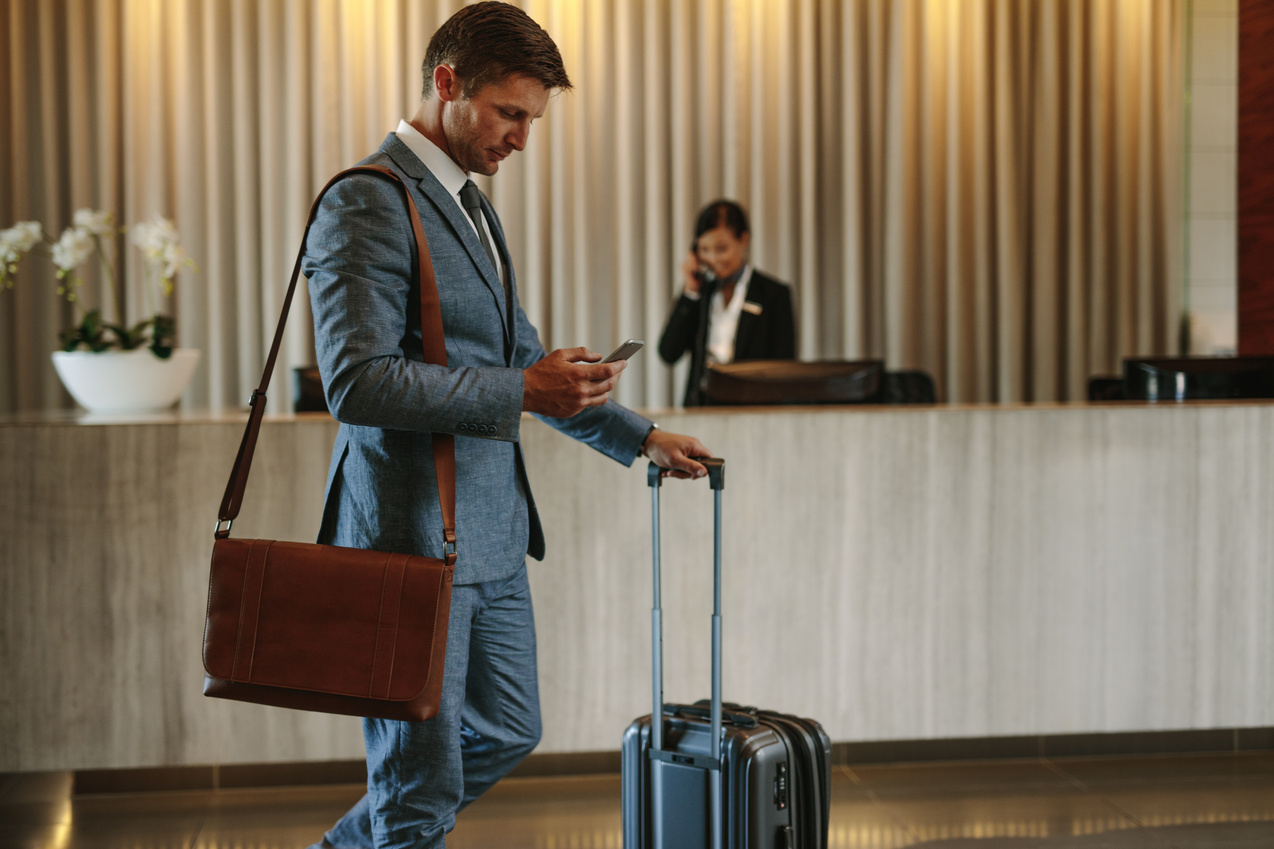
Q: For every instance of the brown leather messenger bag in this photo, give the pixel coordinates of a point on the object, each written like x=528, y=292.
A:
x=322, y=627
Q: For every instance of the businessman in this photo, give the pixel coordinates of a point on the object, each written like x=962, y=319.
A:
x=489, y=72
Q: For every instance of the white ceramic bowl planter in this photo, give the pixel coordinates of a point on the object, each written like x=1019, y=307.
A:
x=125, y=381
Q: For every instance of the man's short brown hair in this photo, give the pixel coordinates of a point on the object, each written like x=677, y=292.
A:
x=490, y=41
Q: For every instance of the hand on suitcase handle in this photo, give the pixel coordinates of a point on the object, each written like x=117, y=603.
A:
x=715, y=467
x=678, y=455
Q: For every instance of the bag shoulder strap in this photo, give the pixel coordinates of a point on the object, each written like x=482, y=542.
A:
x=435, y=352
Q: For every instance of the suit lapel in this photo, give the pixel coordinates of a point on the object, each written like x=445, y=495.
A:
x=461, y=227
x=744, y=335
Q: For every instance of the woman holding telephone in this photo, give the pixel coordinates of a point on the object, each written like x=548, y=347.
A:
x=727, y=311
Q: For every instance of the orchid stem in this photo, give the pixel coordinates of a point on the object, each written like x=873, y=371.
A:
x=151, y=283
x=110, y=281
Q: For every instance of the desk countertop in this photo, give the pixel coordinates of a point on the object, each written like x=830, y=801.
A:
x=80, y=417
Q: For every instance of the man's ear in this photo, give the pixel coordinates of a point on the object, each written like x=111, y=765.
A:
x=447, y=84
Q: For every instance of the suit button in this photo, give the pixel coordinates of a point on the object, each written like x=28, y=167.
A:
x=463, y=427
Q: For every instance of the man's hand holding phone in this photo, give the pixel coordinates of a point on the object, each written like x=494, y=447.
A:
x=624, y=351
x=570, y=380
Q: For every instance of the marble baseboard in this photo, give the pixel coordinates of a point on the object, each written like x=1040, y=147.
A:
x=1057, y=746
x=608, y=762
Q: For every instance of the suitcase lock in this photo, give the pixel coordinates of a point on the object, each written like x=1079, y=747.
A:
x=780, y=786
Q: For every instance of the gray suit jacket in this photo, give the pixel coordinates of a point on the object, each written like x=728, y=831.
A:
x=381, y=490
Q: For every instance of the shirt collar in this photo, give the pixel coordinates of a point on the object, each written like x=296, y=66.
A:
x=742, y=277
x=440, y=164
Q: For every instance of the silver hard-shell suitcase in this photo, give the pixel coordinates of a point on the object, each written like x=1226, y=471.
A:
x=715, y=774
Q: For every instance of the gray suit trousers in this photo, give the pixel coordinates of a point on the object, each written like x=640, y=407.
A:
x=420, y=774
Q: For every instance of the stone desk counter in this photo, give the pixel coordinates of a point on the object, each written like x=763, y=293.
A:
x=897, y=573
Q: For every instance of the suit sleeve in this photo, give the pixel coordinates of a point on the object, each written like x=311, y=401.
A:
x=612, y=428
x=359, y=261
x=679, y=333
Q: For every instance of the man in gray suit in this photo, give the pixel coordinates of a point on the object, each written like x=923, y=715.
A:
x=488, y=73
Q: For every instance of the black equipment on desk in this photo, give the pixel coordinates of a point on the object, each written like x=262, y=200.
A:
x=1198, y=378
x=793, y=382
x=307, y=390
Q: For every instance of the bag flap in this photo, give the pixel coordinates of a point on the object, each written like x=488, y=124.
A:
x=326, y=619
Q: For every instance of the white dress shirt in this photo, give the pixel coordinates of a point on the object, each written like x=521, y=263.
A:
x=450, y=175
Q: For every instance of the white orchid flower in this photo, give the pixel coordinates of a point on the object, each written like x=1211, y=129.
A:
x=91, y=236
x=9, y=252
x=22, y=236
x=95, y=222
x=14, y=243
x=158, y=239
x=154, y=236
x=174, y=258
x=73, y=249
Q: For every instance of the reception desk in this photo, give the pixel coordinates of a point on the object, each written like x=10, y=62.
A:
x=898, y=573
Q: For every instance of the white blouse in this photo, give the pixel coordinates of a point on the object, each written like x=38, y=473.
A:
x=723, y=319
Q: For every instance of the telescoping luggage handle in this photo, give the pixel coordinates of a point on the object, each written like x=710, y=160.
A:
x=716, y=480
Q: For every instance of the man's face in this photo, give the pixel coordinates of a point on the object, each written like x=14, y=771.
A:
x=484, y=129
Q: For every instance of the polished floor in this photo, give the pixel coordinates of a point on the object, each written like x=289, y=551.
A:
x=1180, y=802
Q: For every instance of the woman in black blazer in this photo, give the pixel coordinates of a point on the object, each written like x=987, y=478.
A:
x=727, y=312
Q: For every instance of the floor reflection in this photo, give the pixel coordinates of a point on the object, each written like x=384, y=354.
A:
x=1092, y=803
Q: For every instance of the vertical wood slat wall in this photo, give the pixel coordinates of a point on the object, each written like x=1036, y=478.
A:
x=1256, y=178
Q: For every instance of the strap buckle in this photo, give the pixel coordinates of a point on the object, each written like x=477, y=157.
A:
x=220, y=532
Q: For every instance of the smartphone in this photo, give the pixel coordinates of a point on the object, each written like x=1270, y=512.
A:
x=624, y=351
x=704, y=273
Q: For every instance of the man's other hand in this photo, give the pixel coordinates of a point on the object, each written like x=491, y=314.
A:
x=675, y=454
x=568, y=381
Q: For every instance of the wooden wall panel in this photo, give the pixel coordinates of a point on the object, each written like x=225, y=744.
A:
x=1256, y=178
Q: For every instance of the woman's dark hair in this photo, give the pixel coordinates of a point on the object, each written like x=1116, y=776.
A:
x=490, y=41
x=722, y=213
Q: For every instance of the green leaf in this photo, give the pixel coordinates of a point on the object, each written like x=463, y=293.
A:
x=89, y=333
x=164, y=336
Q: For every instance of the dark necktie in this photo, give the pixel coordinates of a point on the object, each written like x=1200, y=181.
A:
x=471, y=199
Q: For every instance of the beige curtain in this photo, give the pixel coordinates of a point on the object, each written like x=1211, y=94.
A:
x=989, y=190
